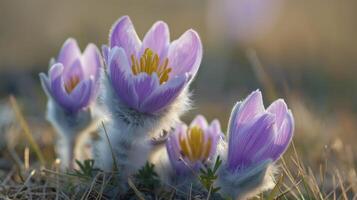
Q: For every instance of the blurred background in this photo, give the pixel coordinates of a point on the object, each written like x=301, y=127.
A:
x=304, y=51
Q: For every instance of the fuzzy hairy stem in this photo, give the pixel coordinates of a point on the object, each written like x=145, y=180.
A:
x=65, y=151
x=247, y=183
x=183, y=182
x=69, y=128
x=130, y=131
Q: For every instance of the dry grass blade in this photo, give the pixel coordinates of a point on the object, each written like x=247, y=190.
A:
x=275, y=190
x=56, y=173
x=8, y=177
x=111, y=148
x=86, y=194
x=289, y=190
x=209, y=193
x=25, y=183
x=291, y=178
x=322, y=175
x=344, y=194
x=104, y=182
x=26, y=130
x=136, y=191
x=27, y=158
x=315, y=186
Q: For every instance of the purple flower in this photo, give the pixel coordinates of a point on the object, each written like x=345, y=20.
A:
x=148, y=75
x=256, y=134
x=73, y=78
x=190, y=147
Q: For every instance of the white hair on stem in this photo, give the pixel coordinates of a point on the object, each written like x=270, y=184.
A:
x=130, y=131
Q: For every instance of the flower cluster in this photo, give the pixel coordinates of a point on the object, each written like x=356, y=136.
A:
x=141, y=89
x=257, y=137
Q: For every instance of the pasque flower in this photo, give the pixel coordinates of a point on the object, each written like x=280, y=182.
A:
x=144, y=90
x=257, y=138
x=71, y=87
x=257, y=134
x=148, y=75
x=73, y=76
x=190, y=147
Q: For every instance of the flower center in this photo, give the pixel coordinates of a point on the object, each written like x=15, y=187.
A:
x=149, y=63
x=194, y=146
x=71, y=84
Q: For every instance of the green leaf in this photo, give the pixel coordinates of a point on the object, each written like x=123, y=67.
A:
x=208, y=176
x=146, y=177
x=86, y=169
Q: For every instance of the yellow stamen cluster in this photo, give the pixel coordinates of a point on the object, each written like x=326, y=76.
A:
x=71, y=84
x=150, y=63
x=194, y=146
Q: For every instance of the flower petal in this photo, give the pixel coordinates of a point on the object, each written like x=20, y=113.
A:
x=215, y=127
x=81, y=95
x=173, y=149
x=232, y=123
x=249, y=108
x=123, y=35
x=242, y=112
x=105, y=52
x=164, y=95
x=69, y=52
x=185, y=54
x=281, y=141
x=245, y=143
x=91, y=61
x=145, y=85
x=118, y=54
x=57, y=86
x=121, y=80
x=157, y=39
x=199, y=121
x=216, y=134
x=73, y=71
x=280, y=109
